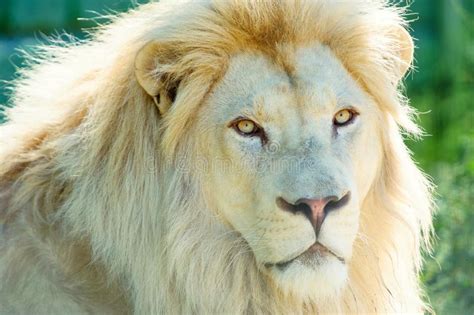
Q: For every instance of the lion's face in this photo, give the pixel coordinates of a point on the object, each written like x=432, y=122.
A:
x=293, y=155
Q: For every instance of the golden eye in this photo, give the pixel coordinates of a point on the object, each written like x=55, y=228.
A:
x=343, y=117
x=246, y=126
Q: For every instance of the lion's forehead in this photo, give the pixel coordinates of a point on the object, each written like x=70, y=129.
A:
x=312, y=81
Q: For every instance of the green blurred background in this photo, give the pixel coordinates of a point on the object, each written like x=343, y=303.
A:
x=441, y=88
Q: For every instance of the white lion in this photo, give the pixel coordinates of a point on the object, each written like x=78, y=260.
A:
x=216, y=157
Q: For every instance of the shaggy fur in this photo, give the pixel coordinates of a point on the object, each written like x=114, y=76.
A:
x=100, y=217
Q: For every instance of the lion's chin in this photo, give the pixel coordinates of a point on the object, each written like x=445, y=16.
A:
x=315, y=274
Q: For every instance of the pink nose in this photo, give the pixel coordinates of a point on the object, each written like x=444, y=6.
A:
x=317, y=214
x=315, y=210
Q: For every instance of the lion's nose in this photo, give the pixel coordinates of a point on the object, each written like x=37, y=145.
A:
x=316, y=209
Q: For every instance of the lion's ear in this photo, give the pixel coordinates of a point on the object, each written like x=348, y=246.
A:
x=150, y=75
x=405, y=50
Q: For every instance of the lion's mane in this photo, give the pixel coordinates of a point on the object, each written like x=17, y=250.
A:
x=93, y=195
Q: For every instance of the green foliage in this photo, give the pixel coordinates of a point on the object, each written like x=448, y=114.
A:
x=25, y=17
x=441, y=88
x=448, y=275
x=442, y=91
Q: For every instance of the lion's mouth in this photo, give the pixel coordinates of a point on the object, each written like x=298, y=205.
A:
x=314, y=254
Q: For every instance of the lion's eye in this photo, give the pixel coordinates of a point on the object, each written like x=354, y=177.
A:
x=343, y=117
x=246, y=126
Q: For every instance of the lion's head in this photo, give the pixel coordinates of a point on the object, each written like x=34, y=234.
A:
x=237, y=156
x=288, y=155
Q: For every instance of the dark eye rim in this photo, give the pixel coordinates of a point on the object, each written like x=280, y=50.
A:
x=353, y=113
x=257, y=132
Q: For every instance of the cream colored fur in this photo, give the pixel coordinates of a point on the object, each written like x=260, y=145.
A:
x=118, y=198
